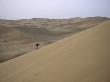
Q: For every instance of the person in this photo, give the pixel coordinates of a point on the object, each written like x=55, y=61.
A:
x=37, y=45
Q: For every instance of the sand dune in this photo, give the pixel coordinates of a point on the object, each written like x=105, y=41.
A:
x=18, y=37
x=18, y=40
x=83, y=57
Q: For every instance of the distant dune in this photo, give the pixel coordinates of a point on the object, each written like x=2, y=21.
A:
x=83, y=57
x=18, y=37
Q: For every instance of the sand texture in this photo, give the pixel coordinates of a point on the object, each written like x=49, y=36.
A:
x=83, y=57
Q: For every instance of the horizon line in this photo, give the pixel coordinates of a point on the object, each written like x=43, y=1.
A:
x=51, y=18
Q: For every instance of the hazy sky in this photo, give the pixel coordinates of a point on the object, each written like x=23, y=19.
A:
x=18, y=9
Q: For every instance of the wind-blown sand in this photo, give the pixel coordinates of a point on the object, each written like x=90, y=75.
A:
x=83, y=57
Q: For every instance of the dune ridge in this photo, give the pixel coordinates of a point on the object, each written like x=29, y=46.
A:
x=83, y=57
x=18, y=37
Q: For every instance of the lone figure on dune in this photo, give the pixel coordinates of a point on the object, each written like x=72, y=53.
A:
x=37, y=45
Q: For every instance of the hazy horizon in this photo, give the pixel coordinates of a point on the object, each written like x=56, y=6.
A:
x=57, y=9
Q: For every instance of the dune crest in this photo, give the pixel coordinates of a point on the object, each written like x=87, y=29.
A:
x=83, y=57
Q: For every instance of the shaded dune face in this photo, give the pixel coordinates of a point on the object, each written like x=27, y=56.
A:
x=83, y=57
x=18, y=40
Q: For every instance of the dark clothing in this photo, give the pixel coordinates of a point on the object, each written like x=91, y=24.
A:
x=37, y=45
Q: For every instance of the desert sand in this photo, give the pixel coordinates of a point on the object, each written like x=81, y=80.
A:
x=18, y=37
x=83, y=57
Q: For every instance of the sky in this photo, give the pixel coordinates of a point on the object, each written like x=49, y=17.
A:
x=26, y=9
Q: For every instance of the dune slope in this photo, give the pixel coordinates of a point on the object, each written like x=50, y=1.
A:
x=83, y=57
